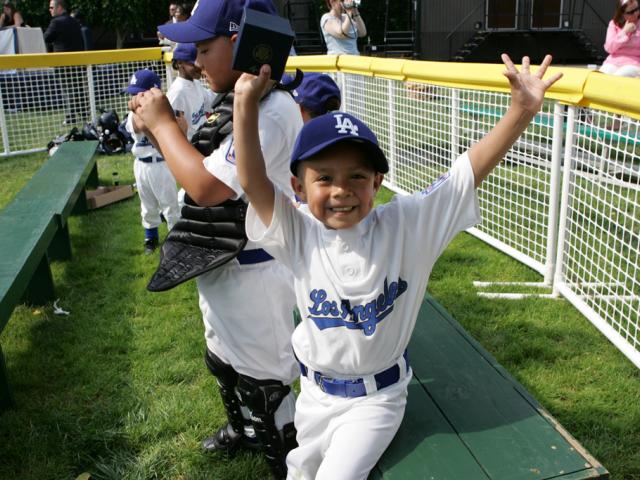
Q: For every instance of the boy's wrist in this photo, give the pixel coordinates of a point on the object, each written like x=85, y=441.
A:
x=166, y=129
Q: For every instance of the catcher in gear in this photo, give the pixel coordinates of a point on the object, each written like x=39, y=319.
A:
x=247, y=302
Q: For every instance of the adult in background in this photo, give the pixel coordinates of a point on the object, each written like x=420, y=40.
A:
x=64, y=34
x=162, y=40
x=623, y=41
x=182, y=14
x=342, y=27
x=10, y=16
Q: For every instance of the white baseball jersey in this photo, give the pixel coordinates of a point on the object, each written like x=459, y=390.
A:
x=359, y=290
x=190, y=97
x=248, y=309
x=155, y=184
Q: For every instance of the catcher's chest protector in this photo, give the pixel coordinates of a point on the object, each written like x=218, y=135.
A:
x=204, y=237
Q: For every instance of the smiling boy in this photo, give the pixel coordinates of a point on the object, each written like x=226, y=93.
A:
x=360, y=272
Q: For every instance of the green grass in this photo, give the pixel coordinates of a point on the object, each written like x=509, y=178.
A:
x=119, y=388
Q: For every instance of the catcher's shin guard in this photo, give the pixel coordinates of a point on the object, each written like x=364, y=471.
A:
x=232, y=434
x=263, y=397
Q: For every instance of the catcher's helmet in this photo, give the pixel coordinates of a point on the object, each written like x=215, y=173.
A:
x=108, y=122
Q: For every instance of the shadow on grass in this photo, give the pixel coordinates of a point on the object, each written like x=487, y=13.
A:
x=71, y=374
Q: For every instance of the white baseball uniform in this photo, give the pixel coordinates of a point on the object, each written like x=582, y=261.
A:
x=155, y=183
x=359, y=291
x=248, y=308
x=190, y=97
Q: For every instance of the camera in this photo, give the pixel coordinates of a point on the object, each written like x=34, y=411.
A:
x=352, y=4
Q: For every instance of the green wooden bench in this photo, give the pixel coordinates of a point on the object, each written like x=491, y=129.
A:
x=468, y=419
x=34, y=231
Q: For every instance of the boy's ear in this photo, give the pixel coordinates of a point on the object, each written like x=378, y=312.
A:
x=377, y=181
x=298, y=188
x=233, y=38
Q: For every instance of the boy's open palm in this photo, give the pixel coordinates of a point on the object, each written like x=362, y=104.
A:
x=527, y=89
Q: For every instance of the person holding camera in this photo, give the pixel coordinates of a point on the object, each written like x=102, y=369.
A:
x=342, y=26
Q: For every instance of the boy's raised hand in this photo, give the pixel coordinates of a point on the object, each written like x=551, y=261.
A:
x=527, y=89
x=250, y=88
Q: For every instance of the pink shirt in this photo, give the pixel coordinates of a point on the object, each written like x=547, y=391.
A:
x=623, y=49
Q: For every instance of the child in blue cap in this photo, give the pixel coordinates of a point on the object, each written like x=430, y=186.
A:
x=360, y=272
x=186, y=94
x=317, y=95
x=247, y=303
x=154, y=181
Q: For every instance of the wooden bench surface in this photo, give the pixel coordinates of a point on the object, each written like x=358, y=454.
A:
x=30, y=222
x=467, y=418
x=57, y=185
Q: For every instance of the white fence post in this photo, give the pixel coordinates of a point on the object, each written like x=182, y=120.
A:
x=392, y=131
x=3, y=126
x=455, y=123
x=554, y=194
x=92, y=94
x=564, y=201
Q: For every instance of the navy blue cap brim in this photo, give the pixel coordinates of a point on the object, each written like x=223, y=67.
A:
x=185, y=32
x=133, y=90
x=378, y=157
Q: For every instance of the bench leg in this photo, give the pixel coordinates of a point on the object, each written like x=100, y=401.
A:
x=40, y=289
x=6, y=397
x=92, y=180
x=81, y=204
x=60, y=247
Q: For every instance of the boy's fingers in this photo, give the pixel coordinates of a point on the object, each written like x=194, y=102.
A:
x=543, y=66
x=508, y=63
x=553, y=79
x=526, y=62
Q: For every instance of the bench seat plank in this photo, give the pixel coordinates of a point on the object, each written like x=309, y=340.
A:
x=58, y=184
x=502, y=428
x=426, y=446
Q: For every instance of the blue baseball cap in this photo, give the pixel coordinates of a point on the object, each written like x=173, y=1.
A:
x=185, y=52
x=331, y=128
x=315, y=90
x=213, y=18
x=143, y=80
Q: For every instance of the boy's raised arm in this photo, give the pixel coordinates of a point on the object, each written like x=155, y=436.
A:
x=527, y=94
x=252, y=172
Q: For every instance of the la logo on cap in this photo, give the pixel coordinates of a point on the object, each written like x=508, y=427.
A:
x=134, y=79
x=344, y=124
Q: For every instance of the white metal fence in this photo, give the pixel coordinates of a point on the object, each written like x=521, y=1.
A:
x=576, y=224
x=38, y=104
x=565, y=202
